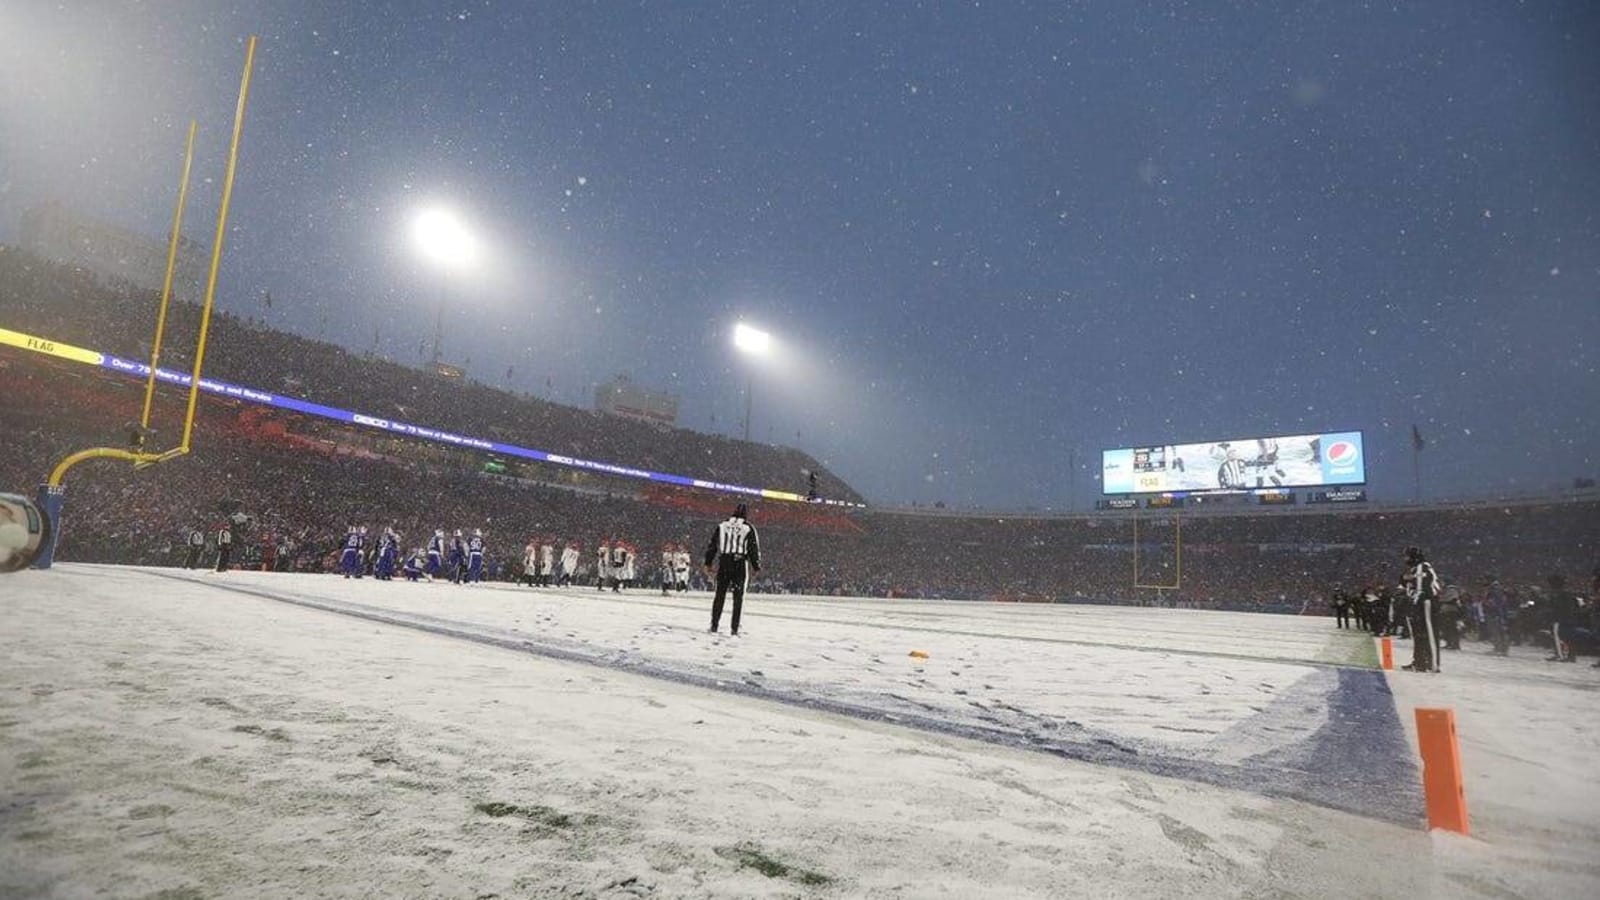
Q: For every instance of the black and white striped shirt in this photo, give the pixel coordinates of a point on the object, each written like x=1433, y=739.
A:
x=736, y=540
x=1231, y=474
x=1422, y=583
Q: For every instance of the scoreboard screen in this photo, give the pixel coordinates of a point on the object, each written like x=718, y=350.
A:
x=1276, y=463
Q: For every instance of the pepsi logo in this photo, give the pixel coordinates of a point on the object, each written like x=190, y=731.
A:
x=1343, y=454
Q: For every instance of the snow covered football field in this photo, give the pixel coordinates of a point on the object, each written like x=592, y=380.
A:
x=171, y=734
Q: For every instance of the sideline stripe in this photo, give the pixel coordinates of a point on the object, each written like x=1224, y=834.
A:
x=1355, y=730
x=1031, y=638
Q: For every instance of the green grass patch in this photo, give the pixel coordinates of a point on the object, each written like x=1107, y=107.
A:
x=151, y=811
x=271, y=734
x=1350, y=649
x=178, y=893
x=749, y=856
x=539, y=815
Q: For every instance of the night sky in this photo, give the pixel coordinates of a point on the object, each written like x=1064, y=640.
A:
x=988, y=238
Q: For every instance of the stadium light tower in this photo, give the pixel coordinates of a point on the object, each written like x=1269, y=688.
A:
x=756, y=343
x=446, y=243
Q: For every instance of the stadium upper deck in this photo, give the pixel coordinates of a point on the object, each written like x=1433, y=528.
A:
x=309, y=479
x=65, y=304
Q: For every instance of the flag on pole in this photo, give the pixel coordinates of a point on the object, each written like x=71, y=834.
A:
x=1417, y=443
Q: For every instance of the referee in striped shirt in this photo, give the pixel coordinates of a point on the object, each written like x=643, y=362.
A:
x=736, y=553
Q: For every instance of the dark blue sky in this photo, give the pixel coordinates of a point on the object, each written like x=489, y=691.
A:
x=985, y=235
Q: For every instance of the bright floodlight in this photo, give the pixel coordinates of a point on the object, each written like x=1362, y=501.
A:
x=751, y=340
x=443, y=238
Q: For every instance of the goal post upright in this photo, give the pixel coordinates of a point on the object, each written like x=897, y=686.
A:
x=166, y=281
x=216, y=244
x=1177, y=574
x=51, y=495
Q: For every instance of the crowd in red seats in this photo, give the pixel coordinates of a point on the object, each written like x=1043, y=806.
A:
x=303, y=481
x=302, y=491
x=65, y=304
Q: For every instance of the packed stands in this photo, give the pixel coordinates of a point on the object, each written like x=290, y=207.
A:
x=304, y=480
x=308, y=486
x=66, y=304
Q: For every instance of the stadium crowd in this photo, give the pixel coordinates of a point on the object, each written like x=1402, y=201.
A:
x=62, y=303
x=303, y=491
x=303, y=481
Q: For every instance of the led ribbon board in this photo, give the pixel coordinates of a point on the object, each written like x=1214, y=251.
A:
x=141, y=371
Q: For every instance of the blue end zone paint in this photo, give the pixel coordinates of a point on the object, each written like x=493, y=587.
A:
x=1359, y=759
x=1365, y=744
x=1358, y=762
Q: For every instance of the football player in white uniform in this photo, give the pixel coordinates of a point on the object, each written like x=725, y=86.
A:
x=530, y=564
x=621, y=566
x=547, y=561
x=569, y=564
x=680, y=567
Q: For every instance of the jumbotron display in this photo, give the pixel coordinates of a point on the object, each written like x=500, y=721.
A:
x=1239, y=464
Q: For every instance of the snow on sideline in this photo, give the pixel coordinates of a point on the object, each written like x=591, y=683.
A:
x=1530, y=746
x=169, y=738
x=1261, y=725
